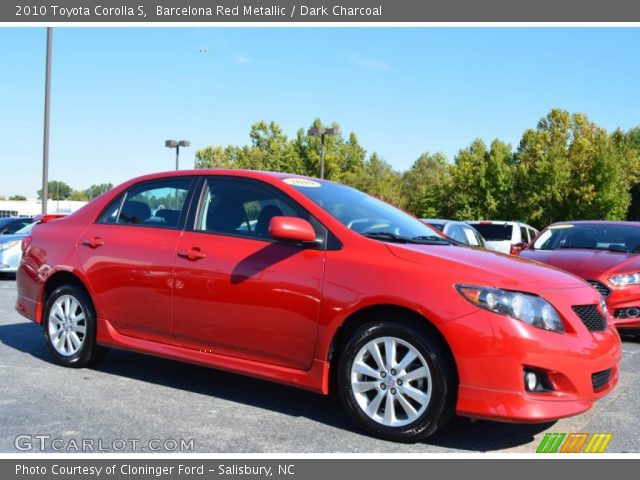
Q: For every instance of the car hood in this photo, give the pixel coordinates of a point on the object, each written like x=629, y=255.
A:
x=483, y=267
x=584, y=261
x=12, y=237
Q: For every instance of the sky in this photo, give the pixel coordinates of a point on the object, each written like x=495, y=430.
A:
x=118, y=93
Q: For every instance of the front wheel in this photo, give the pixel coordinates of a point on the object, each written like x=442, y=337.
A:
x=396, y=382
x=70, y=328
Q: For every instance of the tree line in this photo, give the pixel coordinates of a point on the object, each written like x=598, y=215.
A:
x=566, y=168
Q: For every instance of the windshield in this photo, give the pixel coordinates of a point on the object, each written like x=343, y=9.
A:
x=26, y=230
x=362, y=213
x=618, y=238
x=494, y=231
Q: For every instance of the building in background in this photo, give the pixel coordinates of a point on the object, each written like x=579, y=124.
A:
x=29, y=208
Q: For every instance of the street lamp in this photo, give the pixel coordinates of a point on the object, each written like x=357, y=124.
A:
x=177, y=145
x=322, y=133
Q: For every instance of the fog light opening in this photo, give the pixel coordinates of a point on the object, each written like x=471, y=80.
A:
x=537, y=381
x=531, y=381
x=632, y=312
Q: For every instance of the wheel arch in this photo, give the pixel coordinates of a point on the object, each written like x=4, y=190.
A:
x=367, y=314
x=59, y=278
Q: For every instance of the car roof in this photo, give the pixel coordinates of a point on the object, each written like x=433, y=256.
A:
x=598, y=222
x=438, y=221
x=499, y=222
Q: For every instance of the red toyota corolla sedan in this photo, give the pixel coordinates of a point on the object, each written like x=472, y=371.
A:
x=319, y=286
x=605, y=254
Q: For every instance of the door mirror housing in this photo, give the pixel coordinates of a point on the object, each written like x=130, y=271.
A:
x=291, y=229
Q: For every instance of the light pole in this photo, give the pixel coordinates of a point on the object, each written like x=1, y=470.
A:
x=322, y=133
x=45, y=140
x=175, y=144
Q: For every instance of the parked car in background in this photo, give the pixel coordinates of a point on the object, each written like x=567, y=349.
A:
x=320, y=286
x=606, y=254
x=459, y=231
x=10, y=225
x=10, y=249
x=505, y=237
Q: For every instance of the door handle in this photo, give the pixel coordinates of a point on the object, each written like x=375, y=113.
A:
x=192, y=254
x=95, y=242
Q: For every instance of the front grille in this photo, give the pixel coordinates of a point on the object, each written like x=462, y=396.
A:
x=602, y=289
x=590, y=317
x=630, y=312
x=600, y=379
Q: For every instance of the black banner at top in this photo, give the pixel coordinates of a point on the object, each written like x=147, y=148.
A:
x=289, y=11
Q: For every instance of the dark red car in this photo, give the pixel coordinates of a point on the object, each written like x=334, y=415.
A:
x=319, y=286
x=605, y=254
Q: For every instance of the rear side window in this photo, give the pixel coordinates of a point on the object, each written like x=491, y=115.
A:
x=17, y=225
x=154, y=204
x=494, y=231
x=523, y=235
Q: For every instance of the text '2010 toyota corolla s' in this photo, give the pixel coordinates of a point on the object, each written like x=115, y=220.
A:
x=320, y=286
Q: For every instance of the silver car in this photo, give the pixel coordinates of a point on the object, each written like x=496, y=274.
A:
x=10, y=249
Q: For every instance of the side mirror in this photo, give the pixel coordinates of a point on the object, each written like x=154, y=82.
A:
x=292, y=229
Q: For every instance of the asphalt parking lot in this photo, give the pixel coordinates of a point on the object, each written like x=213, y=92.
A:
x=144, y=401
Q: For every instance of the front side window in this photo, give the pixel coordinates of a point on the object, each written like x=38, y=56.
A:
x=155, y=204
x=472, y=236
x=455, y=232
x=242, y=209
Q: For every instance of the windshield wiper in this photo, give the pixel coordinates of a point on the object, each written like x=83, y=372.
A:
x=618, y=248
x=392, y=237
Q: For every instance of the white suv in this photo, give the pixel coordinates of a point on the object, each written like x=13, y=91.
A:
x=505, y=237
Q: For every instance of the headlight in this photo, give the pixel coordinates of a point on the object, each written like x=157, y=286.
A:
x=626, y=279
x=527, y=308
x=8, y=245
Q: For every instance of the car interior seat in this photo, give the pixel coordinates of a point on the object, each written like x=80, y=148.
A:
x=226, y=215
x=134, y=212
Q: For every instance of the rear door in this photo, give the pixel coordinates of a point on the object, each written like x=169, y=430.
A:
x=128, y=257
x=240, y=293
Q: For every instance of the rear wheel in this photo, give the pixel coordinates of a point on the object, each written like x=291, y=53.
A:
x=69, y=328
x=396, y=382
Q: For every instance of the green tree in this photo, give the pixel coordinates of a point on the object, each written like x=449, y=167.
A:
x=17, y=197
x=79, y=196
x=215, y=157
x=57, y=190
x=481, y=182
x=569, y=168
x=381, y=180
x=97, y=189
x=422, y=185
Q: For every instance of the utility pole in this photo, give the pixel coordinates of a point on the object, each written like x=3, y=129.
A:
x=45, y=141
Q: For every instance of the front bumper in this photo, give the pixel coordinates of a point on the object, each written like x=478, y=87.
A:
x=620, y=300
x=491, y=367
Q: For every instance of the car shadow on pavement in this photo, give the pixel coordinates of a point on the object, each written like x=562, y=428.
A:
x=461, y=433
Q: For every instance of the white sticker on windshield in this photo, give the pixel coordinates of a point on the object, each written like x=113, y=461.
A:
x=559, y=227
x=301, y=182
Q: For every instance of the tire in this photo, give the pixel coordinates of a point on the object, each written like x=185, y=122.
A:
x=415, y=401
x=71, y=337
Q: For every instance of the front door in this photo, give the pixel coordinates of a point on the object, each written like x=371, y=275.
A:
x=240, y=293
